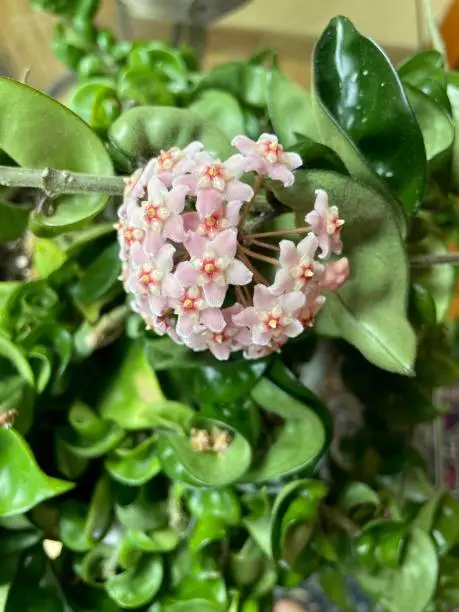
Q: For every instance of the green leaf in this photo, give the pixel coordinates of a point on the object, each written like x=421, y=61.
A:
x=136, y=586
x=370, y=310
x=318, y=156
x=14, y=221
x=99, y=278
x=141, y=133
x=141, y=510
x=293, y=519
x=363, y=111
x=246, y=82
x=206, y=531
x=290, y=109
x=96, y=102
x=38, y=132
x=436, y=126
x=161, y=540
x=134, y=466
x=453, y=94
x=298, y=443
x=222, y=109
x=133, y=397
x=219, y=503
x=47, y=257
x=16, y=357
x=145, y=86
x=438, y=280
x=89, y=435
x=23, y=484
x=356, y=494
x=426, y=72
x=208, y=468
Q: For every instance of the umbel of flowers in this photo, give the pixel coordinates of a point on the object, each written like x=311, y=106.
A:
x=196, y=270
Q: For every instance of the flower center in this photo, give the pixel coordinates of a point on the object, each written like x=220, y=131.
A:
x=272, y=321
x=333, y=222
x=149, y=276
x=190, y=302
x=213, y=175
x=209, y=269
x=168, y=159
x=133, y=234
x=271, y=150
x=220, y=337
x=156, y=213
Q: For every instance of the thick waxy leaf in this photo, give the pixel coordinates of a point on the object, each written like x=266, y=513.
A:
x=299, y=442
x=220, y=503
x=293, y=519
x=134, y=466
x=137, y=586
x=139, y=509
x=436, y=125
x=47, y=257
x=133, y=395
x=89, y=435
x=290, y=109
x=100, y=277
x=222, y=109
x=14, y=221
x=317, y=156
x=141, y=133
x=11, y=352
x=208, y=468
x=161, y=540
x=206, y=531
x=22, y=483
x=453, y=94
x=370, y=310
x=246, y=82
x=96, y=102
x=363, y=112
x=438, y=280
x=426, y=72
x=38, y=132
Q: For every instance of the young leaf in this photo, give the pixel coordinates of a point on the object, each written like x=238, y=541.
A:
x=134, y=466
x=38, y=132
x=222, y=109
x=363, y=113
x=370, y=310
x=141, y=133
x=23, y=484
x=136, y=586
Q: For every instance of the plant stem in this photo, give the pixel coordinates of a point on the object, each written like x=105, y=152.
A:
x=58, y=182
x=260, y=243
x=298, y=230
x=256, y=274
x=259, y=256
x=423, y=261
x=108, y=328
x=256, y=188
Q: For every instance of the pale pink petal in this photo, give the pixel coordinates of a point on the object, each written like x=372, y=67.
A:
x=213, y=319
x=148, y=171
x=195, y=245
x=189, y=180
x=281, y=173
x=215, y=294
x=190, y=221
x=263, y=298
x=242, y=338
x=235, y=165
x=172, y=287
x=220, y=351
x=153, y=242
x=173, y=228
x=176, y=198
x=336, y=274
x=207, y=202
x=308, y=246
x=292, y=301
x=288, y=254
x=260, y=337
x=236, y=190
x=193, y=148
x=238, y=273
x=257, y=164
x=247, y=317
x=294, y=329
x=243, y=144
x=321, y=202
x=232, y=211
x=186, y=274
x=157, y=305
x=225, y=243
x=156, y=189
x=293, y=160
x=283, y=282
x=186, y=324
x=164, y=257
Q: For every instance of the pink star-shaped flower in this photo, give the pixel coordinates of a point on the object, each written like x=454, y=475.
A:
x=230, y=339
x=215, y=182
x=224, y=217
x=299, y=271
x=313, y=305
x=272, y=316
x=213, y=266
x=336, y=274
x=172, y=162
x=267, y=156
x=326, y=225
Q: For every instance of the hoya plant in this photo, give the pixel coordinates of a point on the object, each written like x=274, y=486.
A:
x=223, y=325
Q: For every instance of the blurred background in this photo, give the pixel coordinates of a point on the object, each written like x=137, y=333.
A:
x=291, y=26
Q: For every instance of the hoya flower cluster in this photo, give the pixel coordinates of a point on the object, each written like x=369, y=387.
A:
x=197, y=274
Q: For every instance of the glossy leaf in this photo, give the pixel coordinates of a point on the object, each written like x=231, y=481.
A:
x=54, y=138
x=142, y=510
x=299, y=442
x=290, y=110
x=453, y=94
x=144, y=86
x=89, y=435
x=141, y=133
x=438, y=280
x=136, y=587
x=133, y=397
x=357, y=494
x=208, y=468
x=47, y=257
x=11, y=352
x=96, y=102
x=134, y=466
x=362, y=109
x=206, y=531
x=100, y=277
x=426, y=71
x=14, y=221
x=219, y=503
x=23, y=484
x=222, y=109
x=317, y=156
x=159, y=541
x=370, y=310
